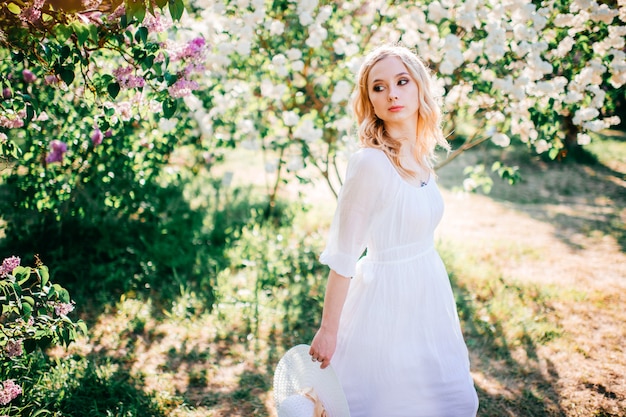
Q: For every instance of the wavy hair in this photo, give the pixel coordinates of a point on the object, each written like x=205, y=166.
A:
x=371, y=129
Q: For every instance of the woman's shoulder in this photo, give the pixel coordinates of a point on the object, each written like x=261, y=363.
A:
x=370, y=164
x=370, y=156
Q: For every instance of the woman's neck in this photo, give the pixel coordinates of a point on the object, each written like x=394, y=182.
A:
x=404, y=131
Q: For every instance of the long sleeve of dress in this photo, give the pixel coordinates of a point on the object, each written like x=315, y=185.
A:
x=359, y=199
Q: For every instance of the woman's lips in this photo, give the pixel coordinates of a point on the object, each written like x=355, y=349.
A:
x=396, y=108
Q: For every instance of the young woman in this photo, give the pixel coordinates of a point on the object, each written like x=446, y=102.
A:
x=389, y=324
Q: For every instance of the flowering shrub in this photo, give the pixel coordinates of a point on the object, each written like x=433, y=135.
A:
x=34, y=315
x=545, y=74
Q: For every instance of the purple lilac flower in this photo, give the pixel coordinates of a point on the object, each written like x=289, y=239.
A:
x=182, y=88
x=51, y=79
x=14, y=348
x=193, y=50
x=7, y=93
x=62, y=309
x=126, y=79
x=156, y=23
x=30, y=14
x=96, y=137
x=58, y=149
x=28, y=76
x=10, y=390
x=11, y=123
x=8, y=265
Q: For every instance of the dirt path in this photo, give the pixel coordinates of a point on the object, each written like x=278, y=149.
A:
x=586, y=367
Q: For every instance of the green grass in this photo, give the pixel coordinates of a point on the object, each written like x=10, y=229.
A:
x=149, y=355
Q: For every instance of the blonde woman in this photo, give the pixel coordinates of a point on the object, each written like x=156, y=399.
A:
x=389, y=324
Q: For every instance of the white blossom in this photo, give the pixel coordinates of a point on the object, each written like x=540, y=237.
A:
x=602, y=13
x=290, y=118
x=307, y=131
x=279, y=63
x=343, y=124
x=501, y=139
x=276, y=27
x=583, y=139
x=584, y=114
x=167, y=125
x=436, y=12
x=293, y=54
x=594, y=125
x=542, y=146
x=341, y=92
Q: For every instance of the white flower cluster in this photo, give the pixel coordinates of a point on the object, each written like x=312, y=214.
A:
x=533, y=58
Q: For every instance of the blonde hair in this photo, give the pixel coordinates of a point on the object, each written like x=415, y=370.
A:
x=371, y=129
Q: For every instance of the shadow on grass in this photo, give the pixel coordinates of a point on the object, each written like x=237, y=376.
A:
x=101, y=389
x=520, y=388
x=579, y=198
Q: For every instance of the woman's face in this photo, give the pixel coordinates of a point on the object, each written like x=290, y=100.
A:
x=392, y=91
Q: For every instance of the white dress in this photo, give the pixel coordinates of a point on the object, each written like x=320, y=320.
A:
x=400, y=350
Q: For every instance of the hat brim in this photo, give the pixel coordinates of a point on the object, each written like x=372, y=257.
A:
x=296, y=372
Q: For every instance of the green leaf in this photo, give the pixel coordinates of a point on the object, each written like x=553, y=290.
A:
x=62, y=32
x=113, y=89
x=44, y=274
x=22, y=273
x=161, y=3
x=169, y=108
x=14, y=8
x=81, y=31
x=177, y=7
x=142, y=34
x=27, y=310
x=67, y=75
x=135, y=9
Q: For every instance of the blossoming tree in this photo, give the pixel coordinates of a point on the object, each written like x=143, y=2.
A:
x=547, y=74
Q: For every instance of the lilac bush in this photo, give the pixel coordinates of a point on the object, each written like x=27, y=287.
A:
x=34, y=316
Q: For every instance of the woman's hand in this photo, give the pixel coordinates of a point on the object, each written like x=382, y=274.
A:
x=323, y=346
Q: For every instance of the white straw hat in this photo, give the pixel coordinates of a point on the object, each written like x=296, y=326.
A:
x=295, y=374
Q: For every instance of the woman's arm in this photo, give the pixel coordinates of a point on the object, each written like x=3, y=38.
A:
x=325, y=340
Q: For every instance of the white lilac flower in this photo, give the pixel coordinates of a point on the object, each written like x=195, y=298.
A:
x=595, y=125
x=305, y=18
x=542, y=146
x=295, y=163
x=602, y=13
x=323, y=14
x=276, y=27
x=343, y=124
x=297, y=66
x=243, y=47
x=564, y=47
x=584, y=114
x=583, y=139
x=290, y=118
x=495, y=43
x=341, y=92
x=436, y=12
x=293, y=54
x=307, y=131
x=279, y=63
x=501, y=139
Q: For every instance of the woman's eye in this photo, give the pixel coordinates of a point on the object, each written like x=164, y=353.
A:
x=378, y=88
x=403, y=81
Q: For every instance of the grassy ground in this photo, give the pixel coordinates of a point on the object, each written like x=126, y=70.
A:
x=539, y=272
